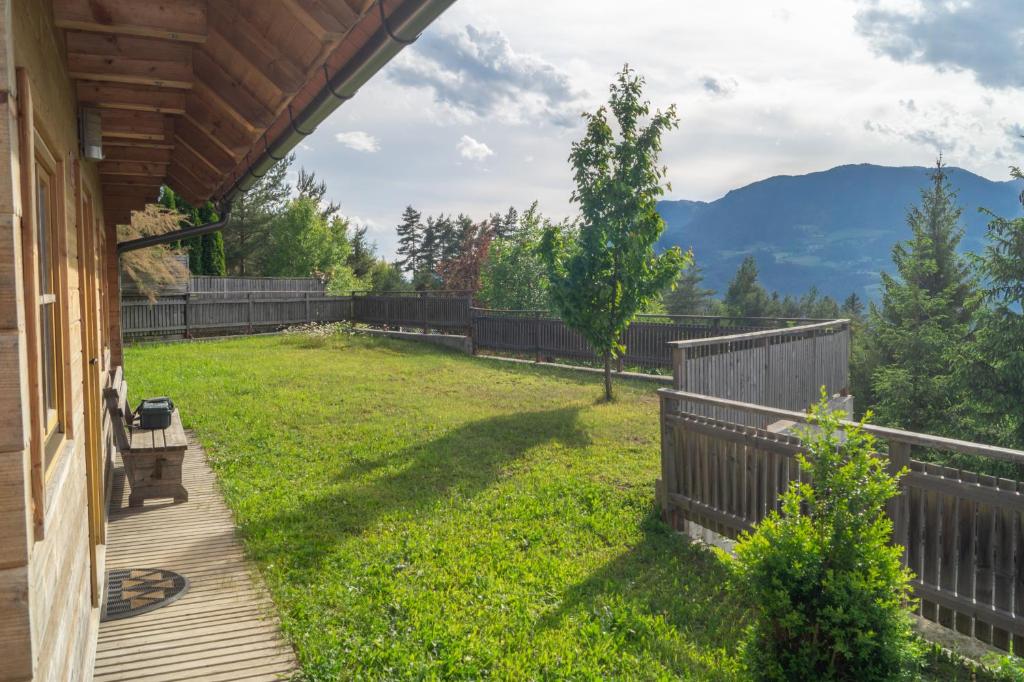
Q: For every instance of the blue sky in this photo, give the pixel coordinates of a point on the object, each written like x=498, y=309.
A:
x=481, y=111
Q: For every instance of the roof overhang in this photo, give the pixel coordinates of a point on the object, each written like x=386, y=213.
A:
x=205, y=95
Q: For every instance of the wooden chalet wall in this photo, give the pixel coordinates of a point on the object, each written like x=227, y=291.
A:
x=47, y=621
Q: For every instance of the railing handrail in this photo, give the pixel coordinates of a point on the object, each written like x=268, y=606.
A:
x=882, y=432
x=670, y=316
x=748, y=336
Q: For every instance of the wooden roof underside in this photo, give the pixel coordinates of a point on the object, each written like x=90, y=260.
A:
x=190, y=91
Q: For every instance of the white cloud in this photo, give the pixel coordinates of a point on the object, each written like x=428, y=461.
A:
x=472, y=149
x=475, y=73
x=358, y=140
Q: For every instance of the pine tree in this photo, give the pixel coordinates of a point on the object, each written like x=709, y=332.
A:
x=922, y=326
x=689, y=297
x=410, y=236
x=429, y=256
x=306, y=185
x=745, y=296
x=447, y=238
x=246, y=236
x=361, y=256
x=506, y=225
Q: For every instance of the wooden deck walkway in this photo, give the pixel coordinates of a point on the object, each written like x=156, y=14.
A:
x=224, y=628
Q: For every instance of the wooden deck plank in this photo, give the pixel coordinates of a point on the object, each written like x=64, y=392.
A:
x=224, y=628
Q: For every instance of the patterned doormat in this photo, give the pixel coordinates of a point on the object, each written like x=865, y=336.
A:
x=131, y=591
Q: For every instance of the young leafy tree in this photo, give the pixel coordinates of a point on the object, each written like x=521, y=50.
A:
x=745, y=296
x=829, y=590
x=689, y=297
x=604, y=273
x=410, y=237
x=514, y=276
x=922, y=326
x=997, y=370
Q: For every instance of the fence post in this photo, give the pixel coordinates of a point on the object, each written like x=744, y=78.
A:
x=472, y=331
x=669, y=483
x=309, y=315
x=249, y=304
x=423, y=312
x=899, y=457
x=536, y=338
x=678, y=376
x=188, y=321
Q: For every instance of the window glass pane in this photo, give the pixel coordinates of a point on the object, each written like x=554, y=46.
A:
x=46, y=338
x=43, y=222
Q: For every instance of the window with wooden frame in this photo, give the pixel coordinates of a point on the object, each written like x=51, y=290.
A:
x=48, y=234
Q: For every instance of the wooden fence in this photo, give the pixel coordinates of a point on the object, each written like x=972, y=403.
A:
x=257, y=287
x=962, y=532
x=192, y=315
x=538, y=333
x=533, y=333
x=784, y=368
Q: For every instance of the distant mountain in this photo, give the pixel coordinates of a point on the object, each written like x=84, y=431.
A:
x=834, y=229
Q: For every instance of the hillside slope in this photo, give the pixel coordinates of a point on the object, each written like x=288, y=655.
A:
x=834, y=229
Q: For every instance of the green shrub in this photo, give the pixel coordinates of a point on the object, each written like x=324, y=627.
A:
x=829, y=592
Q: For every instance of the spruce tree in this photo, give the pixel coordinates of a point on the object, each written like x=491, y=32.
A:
x=690, y=297
x=745, y=296
x=921, y=328
x=997, y=370
x=853, y=307
x=410, y=236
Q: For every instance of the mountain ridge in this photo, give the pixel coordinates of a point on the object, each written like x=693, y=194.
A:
x=833, y=229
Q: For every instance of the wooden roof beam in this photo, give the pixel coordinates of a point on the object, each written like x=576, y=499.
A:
x=216, y=85
x=222, y=130
x=188, y=134
x=128, y=59
x=230, y=28
x=189, y=167
x=131, y=98
x=145, y=154
x=183, y=20
x=136, y=125
x=318, y=19
x=187, y=188
x=147, y=170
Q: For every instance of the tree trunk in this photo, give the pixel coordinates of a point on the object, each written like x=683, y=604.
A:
x=608, y=376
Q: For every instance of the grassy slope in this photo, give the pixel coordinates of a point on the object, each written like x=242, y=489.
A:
x=423, y=514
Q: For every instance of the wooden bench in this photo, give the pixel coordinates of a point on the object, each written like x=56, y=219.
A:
x=152, y=458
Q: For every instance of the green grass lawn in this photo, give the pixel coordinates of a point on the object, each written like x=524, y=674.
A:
x=427, y=515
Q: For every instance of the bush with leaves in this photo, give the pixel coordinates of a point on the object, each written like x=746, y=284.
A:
x=830, y=591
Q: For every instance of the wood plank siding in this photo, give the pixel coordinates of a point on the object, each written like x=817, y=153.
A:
x=224, y=628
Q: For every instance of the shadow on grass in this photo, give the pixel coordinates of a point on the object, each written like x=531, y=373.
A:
x=662, y=590
x=461, y=462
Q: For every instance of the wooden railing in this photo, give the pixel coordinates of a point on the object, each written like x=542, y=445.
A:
x=962, y=531
x=784, y=368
